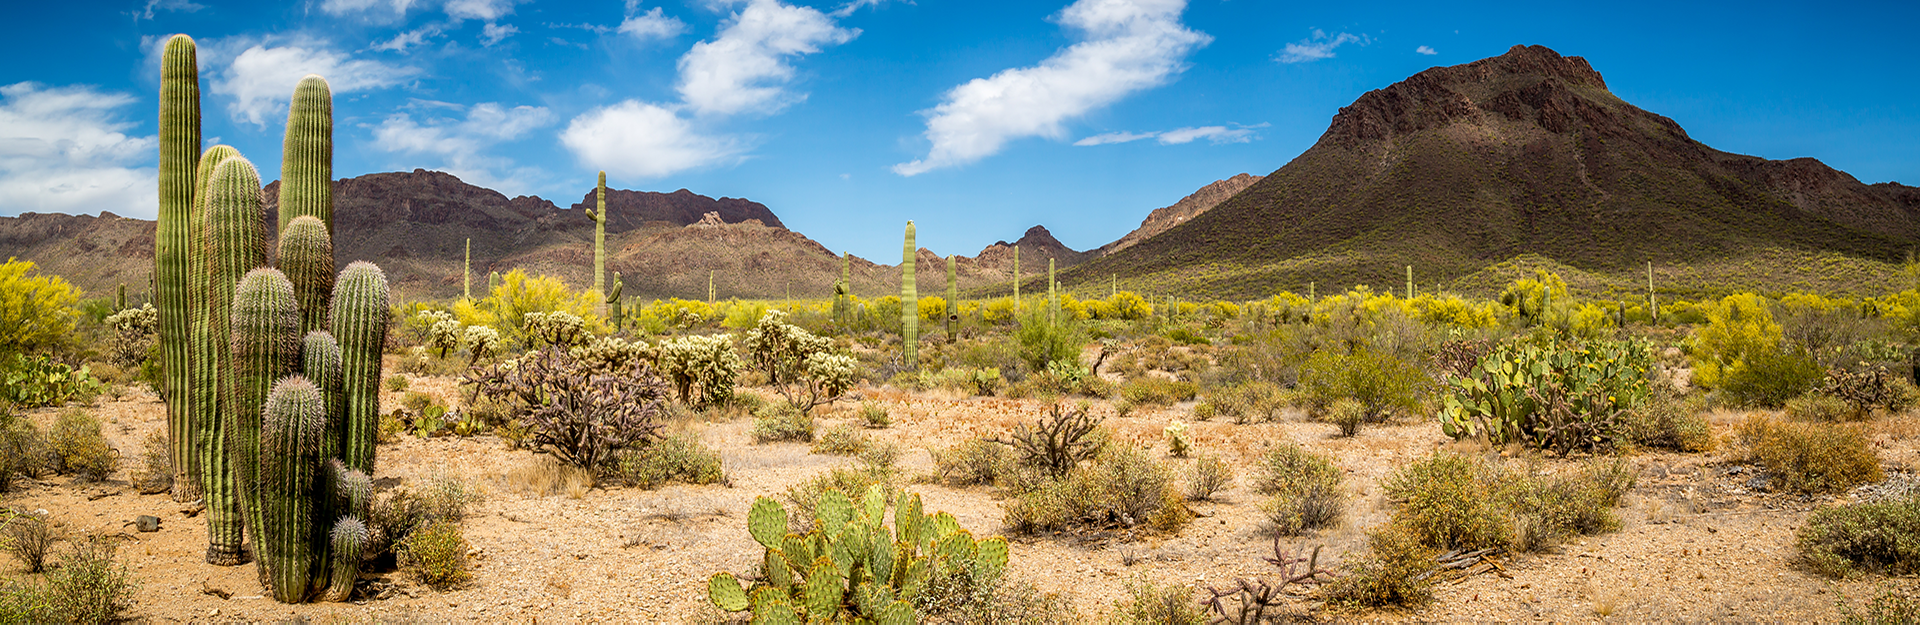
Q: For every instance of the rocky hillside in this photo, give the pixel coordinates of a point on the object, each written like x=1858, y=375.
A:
x=1164, y=219
x=1458, y=168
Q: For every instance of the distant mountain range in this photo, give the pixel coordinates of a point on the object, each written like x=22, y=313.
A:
x=1472, y=174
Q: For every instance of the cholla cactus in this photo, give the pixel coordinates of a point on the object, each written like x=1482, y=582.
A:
x=1178, y=444
x=558, y=328
x=480, y=341
x=137, y=320
x=801, y=366
x=701, y=368
x=443, y=331
x=612, y=354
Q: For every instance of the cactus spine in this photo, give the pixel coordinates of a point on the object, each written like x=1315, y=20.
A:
x=174, y=243
x=306, y=162
x=306, y=256
x=320, y=362
x=292, y=428
x=203, y=383
x=953, y=297
x=360, y=324
x=236, y=245
x=599, y=217
x=909, y=305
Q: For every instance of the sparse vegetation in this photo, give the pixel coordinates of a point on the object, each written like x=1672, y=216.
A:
x=1809, y=457
x=1881, y=537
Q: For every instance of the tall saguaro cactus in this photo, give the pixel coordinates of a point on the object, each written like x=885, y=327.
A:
x=174, y=243
x=235, y=245
x=466, y=273
x=360, y=325
x=306, y=162
x=1016, y=281
x=306, y=256
x=599, y=216
x=1053, y=297
x=909, y=305
x=953, y=298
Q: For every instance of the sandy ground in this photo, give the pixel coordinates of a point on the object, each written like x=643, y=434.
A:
x=1697, y=542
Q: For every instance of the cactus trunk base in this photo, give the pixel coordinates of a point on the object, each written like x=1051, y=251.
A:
x=227, y=555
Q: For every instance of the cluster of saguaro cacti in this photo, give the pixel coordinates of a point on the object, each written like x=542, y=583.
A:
x=953, y=298
x=850, y=567
x=282, y=365
x=599, y=216
x=909, y=305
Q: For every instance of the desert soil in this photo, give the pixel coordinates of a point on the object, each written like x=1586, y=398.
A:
x=1698, y=543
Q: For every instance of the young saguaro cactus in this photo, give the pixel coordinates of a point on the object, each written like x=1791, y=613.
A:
x=306, y=256
x=292, y=434
x=909, y=305
x=174, y=243
x=266, y=348
x=360, y=324
x=306, y=162
x=235, y=244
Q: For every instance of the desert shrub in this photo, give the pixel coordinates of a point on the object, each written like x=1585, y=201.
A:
x=584, y=416
x=436, y=555
x=397, y=383
x=1562, y=397
x=1822, y=407
x=31, y=382
x=1442, y=501
x=1871, y=537
x=1153, y=391
x=1865, y=387
x=1121, y=488
x=79, y=447
x=1203, y=411
x=1348, y=414
x=23, y=449
x=1148, y=603
x=1304, y=489
x=156, y=465
x=1208, y=475
x=1809, y=457
x=415, y=401
x=782, y=422
x=1668, y=421
x=36, y=311
x=1889, y=606
x=1393, y=572
x=90, y=585
x=677, y=457
x=1738, y=326
x=30, y=538
x=1770, y=376
x=1011, y=603
x=1546, y=510
x=1383, y=384
x=1043, y=343
x=841, y=440
x=973, y=461
x=701, y=368
x=1059, y=441
x=874, y=415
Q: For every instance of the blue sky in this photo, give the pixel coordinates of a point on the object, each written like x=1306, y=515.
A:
x=976, y=119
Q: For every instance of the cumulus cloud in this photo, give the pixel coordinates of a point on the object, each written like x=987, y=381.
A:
x=1319, y=46
x=261, y=78
x=1214, y=134
x=746, y=66
x=1425, y=50
x=402, y=41
x=651, y=24
x=461, y=142
x=65, y=150
x=493, y=33
x=1127, y=46
x=643, y=140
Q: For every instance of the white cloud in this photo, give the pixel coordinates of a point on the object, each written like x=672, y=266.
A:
x=485, y=10
x=461, y=143
x=1319, y=46
x=651, y=25
x=260, y=79
x=1129, y=46
x=1425, y=50
x=1114, y=137
x=65, y=150
x=400, y=42
x=492, y=34
x=343, y=7
x=850, y=7
x=1216, y=134
x=744, y=67
x=169, y=5
x=642, y=140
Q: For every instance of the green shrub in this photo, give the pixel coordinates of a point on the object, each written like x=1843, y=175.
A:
x=1872, y=537
x=436, y=555
x=1737, y=327
x=31, y=382
x=1668, y=421
x=1043, y=343
x=1770, y=377
x=397, y=383
x=973, y=461
x=1546, y=510
x=782, y=422
x=30, y=538
x=1154, y=391
x=841, y=440
x=1889, y=606
x=1442, y=500
x=1822, y=407
x=802, y=497
x=1809, y=457
x=1383, y=384
x=156, y=465
x=1151, y=604
x=1348, y=414
x=1304, y=489
x=90, y=585
x=36, y=311
x=678, y=457
x=416, y=402
x=79, y=447
x=1208, y=475
x=1391, y=573
x=1122, y=488
x=874, y=415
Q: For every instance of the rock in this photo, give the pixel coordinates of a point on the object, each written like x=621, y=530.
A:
x=146, y=523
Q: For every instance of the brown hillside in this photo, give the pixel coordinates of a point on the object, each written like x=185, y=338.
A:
x=1164, y=219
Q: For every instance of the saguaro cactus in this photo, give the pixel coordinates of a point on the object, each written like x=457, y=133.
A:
x=320, y=362
x=613, y=300
x=292, y=429
x=360, y=324
x=909, y=305
x=843, y=288
x=953, y=298
x=266, y=347
x=1653, y=307
x=710, y=291
x=1053, y=296
x=1016, y=281
x=203, y=383
x=1409, y=281
x=306, y=162
x=235, y=245
x=306, y=256
x=466, y=273
x=174, y=243
x=599, y=216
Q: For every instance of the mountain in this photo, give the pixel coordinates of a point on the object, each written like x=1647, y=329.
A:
x=1163, y=219
x=1458, y=168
